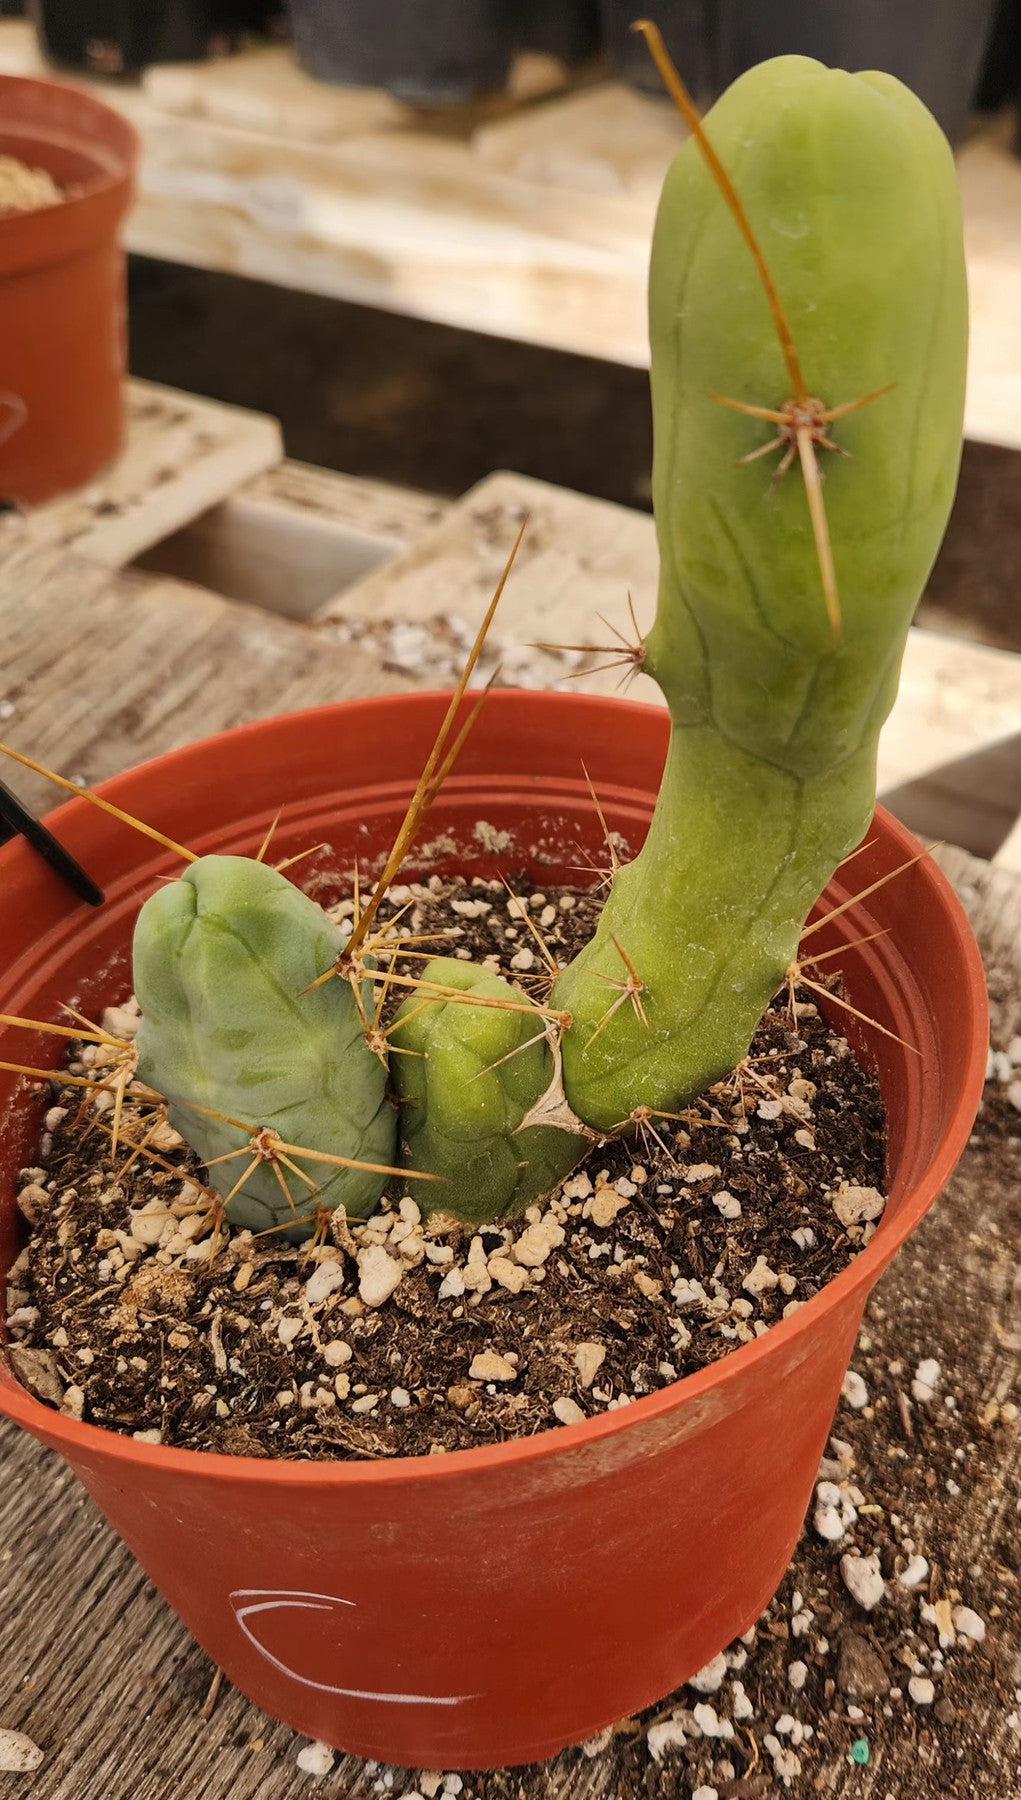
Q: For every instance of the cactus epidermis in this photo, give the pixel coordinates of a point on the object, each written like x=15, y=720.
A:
x=224, y=960
x=849, y=186
x=476, y=1073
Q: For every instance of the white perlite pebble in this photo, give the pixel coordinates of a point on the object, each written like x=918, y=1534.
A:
x=706, y=1793
x=969, y=1625
x=710, y=1679
x=916, y=1572
x=854, y=1390
x=378, y=1275
x=669, y=1734
x=316, y=1759
x=709, y=1722
x=727, y=1205
x=578, y=1188
x=741, y=1706
x=18, y=1754
x=925, y=1384
x=761, y=1279
x=324, y=1281
x=834, y=1511
x=857, y=1205
x=922, y=1690
x=797, y=1675
x=863, y=1580
x=568, y=1411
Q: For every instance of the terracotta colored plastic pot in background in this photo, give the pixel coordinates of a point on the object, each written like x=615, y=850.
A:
x=62, y=307
x=489, y=1606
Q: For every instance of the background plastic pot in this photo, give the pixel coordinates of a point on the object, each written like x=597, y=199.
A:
x=935, y=46
x=485, y=1607
x=433, y=52
x=62, y=307
x=115, y=37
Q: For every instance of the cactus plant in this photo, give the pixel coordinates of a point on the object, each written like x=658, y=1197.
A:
x=777, y=687
x=808, y=310
x=776, y=707
x=232, y=1029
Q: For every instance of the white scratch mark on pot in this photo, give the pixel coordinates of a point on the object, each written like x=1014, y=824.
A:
x=266, y=1600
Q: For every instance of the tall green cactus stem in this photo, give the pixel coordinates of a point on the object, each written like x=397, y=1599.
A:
x=849, y=188
x=477, y=1074
x=224, y=960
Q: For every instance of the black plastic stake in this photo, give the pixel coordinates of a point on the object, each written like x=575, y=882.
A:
x=17, y=821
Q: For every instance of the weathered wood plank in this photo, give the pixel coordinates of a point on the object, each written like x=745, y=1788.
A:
x=100, y=670
x=265, y=90
x=181, y=455
x=607, y=139
x=581, y=557
x=294, y=536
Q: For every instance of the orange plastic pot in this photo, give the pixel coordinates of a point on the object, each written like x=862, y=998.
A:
x=489, y=1606
x=62, y=305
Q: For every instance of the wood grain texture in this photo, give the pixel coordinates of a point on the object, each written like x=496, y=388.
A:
x=181, y=455
x=101, y=670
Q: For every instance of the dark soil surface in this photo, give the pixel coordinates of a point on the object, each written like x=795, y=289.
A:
x=658, y=1255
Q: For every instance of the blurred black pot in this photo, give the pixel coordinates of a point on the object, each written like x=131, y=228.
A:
x=1000, y=80
x=935, y=46
x=427, y=52
x=568, y=29
x=116, y=37
x=435, y=52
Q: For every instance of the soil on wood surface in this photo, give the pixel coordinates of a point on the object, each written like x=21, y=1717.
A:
x=24, y=189
x=657, y=1256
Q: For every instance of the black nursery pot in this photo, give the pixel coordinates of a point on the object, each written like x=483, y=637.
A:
x=116, y=37
x=427, y=52
x=568, y=29
x=935, y=46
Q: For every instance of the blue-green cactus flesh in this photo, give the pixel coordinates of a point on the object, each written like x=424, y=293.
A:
x=223, y=962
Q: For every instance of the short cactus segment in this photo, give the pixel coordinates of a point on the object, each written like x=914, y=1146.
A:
x=465, y=1096
x=850, y=187
x=223, y=961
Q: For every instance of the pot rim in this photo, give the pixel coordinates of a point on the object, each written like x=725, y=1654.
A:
x=77, y=1439
x=99, y=132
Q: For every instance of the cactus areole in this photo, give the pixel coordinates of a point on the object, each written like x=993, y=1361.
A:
x=808, y=318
